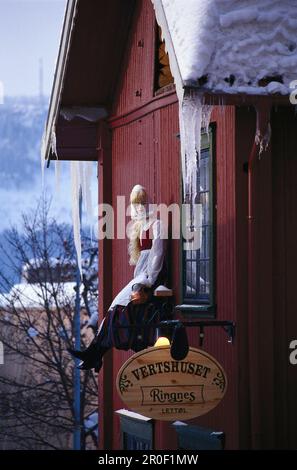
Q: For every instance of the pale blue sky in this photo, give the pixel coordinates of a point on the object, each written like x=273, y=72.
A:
x=29, y=30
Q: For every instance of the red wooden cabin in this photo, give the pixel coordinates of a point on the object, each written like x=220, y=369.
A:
x=109, y=60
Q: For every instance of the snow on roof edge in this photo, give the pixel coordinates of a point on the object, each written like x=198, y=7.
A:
x=228, y=41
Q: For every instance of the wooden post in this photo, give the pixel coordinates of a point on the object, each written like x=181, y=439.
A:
x=105, y=288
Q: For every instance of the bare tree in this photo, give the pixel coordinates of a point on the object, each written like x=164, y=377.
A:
x=36, y=328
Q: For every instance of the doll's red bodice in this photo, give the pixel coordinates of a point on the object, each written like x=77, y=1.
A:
x=145, y=240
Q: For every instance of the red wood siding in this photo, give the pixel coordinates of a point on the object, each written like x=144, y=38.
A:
x=266, y=322
x=146, y=151
x=259, y=407
x=137, y=75
x=267, y=383
x=167, y=175
x=245, y=134
x=225, y=416
x=138, y=157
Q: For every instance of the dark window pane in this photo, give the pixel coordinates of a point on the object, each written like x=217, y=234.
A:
x=135, y=443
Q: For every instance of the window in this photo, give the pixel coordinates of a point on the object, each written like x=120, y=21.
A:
x=198, y=264
x=197, y=438
x=133, y=442
x=163, y=76
x=136, y=431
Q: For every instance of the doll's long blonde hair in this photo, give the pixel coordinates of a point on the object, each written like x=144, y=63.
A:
x=138, y=196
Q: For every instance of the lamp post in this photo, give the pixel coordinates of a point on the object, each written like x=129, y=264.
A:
x=77, y=402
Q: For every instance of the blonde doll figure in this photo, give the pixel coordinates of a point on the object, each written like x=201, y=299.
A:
x=133, y=305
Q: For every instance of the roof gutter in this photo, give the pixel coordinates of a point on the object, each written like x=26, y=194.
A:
x=223, y=98
x=55, y=100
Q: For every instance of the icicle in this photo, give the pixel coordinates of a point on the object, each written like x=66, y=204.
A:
x=42, y=157
x=86, y=169
x=192, y=114
x=206, y=115
x=191, y=111
x=54, y=142
x=221, y=106
x=263, y=130
x=190, y=120
x=81, y=174
x=57, y=175
x=75, y=195
x=263, y=140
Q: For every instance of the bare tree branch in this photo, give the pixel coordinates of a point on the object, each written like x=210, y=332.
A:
x=37, y=306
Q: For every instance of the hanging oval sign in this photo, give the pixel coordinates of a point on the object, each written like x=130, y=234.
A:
x=157, y=386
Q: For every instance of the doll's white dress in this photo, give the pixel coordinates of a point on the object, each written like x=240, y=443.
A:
x=149, y=264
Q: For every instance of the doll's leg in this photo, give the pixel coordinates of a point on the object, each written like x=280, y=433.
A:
x=93, y=361
x=92, y=346
x=110, y=334
x=91, y=357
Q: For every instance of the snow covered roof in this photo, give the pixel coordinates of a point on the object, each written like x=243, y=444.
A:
x=231, y=46
x=33, y=295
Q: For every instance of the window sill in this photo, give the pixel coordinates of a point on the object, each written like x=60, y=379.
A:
x=205, y=311
x=132, y=415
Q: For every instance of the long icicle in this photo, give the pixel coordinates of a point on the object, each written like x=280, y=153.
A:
x=75, y=193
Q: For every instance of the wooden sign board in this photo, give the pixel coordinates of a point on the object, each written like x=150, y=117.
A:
x=157, y=386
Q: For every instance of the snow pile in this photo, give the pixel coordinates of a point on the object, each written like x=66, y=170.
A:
x=235, y=45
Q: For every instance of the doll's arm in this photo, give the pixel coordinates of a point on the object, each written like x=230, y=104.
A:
x=156, y=256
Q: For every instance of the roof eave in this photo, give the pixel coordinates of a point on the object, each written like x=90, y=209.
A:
x=220, y=97
x=58, y=82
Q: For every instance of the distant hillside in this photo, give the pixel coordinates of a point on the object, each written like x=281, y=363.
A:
x=22, y=123
x=21, y=127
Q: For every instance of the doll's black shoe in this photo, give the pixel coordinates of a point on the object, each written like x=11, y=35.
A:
x=89, y=352
x=78, y=354
x=95, y=363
